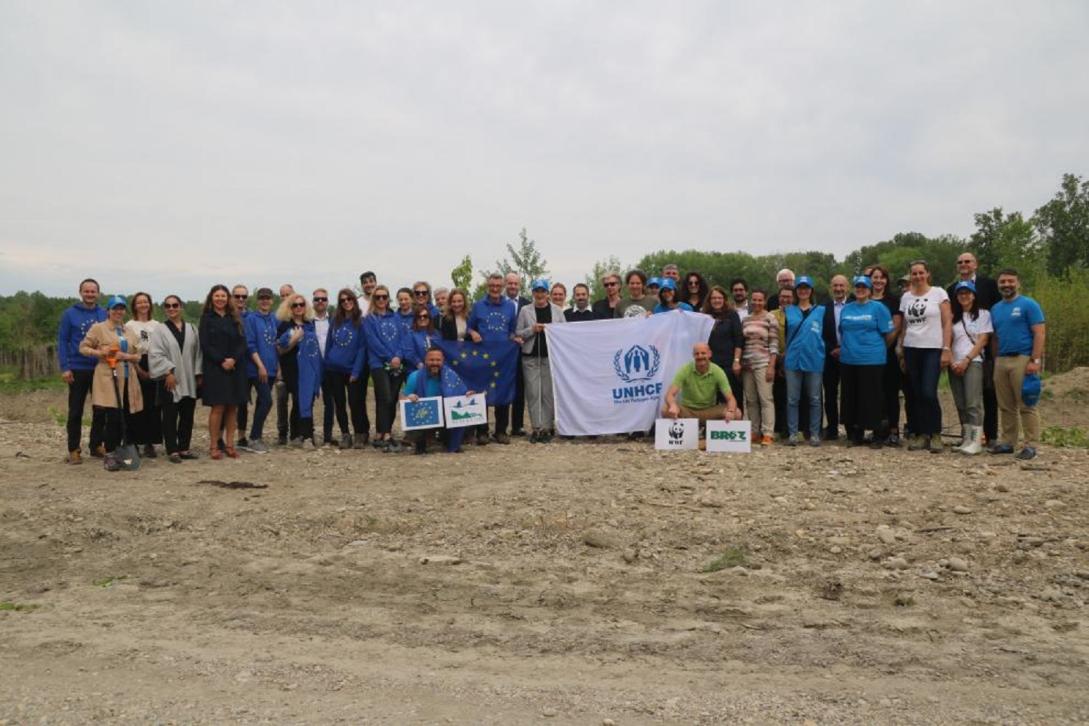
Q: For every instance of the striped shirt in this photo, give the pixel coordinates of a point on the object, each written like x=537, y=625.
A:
x=761, y=340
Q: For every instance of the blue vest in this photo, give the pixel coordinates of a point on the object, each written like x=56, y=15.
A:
x=804, y=340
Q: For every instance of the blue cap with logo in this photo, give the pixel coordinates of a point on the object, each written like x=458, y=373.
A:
x=965, y=285
x=668, y=283
x=804, y=280
x=655, y=282
x=117, y=301
x=863, y=280
x=539, y=284
x=1031, y=386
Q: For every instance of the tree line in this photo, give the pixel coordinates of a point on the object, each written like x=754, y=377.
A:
x=1050, y=248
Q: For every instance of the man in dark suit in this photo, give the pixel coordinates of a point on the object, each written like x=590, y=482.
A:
x=513, y=285
x=830, y=332
x=986, y=295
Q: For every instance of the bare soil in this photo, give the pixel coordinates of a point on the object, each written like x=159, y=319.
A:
x=567, y=583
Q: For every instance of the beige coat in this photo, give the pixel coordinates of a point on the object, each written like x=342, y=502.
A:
x=102, y=391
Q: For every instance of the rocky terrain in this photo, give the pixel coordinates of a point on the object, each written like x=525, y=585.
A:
x=585, y=582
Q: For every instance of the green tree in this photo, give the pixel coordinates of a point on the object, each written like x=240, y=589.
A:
x=462, y=274
x=1063, y=224
x=1002, y=240
x=525, y=260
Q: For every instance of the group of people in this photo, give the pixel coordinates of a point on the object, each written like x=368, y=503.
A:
x=797, y=368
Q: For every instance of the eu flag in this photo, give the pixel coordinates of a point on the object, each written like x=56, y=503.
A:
x=487, y=367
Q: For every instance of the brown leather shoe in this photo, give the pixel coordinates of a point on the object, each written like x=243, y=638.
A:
x=99, y=452
x=74, y=457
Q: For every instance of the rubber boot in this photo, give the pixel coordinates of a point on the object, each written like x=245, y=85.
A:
x=975, y=442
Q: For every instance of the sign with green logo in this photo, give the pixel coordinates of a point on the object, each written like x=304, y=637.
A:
x=734, y=436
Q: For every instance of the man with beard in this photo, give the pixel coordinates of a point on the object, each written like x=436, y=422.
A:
x=1020, y=332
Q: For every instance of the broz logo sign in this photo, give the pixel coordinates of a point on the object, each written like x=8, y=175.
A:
x=637, y=366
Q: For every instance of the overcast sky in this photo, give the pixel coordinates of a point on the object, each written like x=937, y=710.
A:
x=168, y=146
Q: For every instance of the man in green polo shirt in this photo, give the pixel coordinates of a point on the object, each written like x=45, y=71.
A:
x=699, y=384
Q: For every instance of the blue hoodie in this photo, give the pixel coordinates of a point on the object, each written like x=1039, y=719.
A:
x=383, y=338
x=494, y=321
x=260, y=329
x=74, y=324
x=345, y=348
x=310, y=367
x=415, y=347
x=406, y=321
x=804, y=340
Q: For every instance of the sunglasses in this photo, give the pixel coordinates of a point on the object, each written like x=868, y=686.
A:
x=612, y=284
x=170, y=306
x=380, y=297
x=963, y=262
x=241, y=297
x=298, y=305
x=423, y=317
x=345, y=299
x=321, y=299
x=419, y=292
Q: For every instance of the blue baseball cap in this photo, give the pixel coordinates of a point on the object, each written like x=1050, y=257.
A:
x=863, y=280
x=539, y=284
x=1030, y=389
x=117, y=301
x=965, y=285
x=668, y=283
x=804, y=280
x=655, y=282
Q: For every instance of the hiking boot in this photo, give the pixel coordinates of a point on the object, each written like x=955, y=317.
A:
x=345, y=441
x=394, y=447
x=75, y=457
x=99, y=452
x=257, y=446
x=502, y=439
x=917, y=443
x=361, y=440
x=935, y=446
x=174, y=458
x=766, y=440
x=281, y=440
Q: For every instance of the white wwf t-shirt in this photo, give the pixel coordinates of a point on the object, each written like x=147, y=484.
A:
x=923, y=318
x=967, y=331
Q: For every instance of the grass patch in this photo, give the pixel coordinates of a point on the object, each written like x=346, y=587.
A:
x=732, y=557
x=108, y=581
x=1072, y=437
x=10, y=384
x=17, y=607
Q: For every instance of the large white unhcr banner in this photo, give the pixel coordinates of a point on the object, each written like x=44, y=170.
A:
x=609, y=376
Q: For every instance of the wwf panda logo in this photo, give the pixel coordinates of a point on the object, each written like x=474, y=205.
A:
x=676, y=431
x=917, y=308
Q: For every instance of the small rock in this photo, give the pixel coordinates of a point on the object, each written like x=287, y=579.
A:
x=440, y=560
x=599, y=538
x=875, y=554
x=1002, y=487
x=1054, y=504
x=896, y=563
x=549, y=713
x=929, y=575
x=956, y=564
x=835, y=549
x=630, y=555
x=608, y=722
x=1051, y=594
x=886, y=535
x=961, y=509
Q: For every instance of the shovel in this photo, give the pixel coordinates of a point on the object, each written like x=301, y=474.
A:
x=126, y=455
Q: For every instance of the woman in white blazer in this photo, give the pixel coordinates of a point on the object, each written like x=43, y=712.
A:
x=174, y=362
x=529, y=327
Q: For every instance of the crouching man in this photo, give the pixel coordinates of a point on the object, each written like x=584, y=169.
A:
x=699, y=383
x=435, y=379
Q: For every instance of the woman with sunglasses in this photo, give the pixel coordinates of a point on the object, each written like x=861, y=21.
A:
x=924, y=347
x=300, y=363
x=695, y=290
x=419, y=339
x=174, y=361
x=345, y=356
x=223, y=350
x=385, y=344
x=421, y=295
x=146, y=425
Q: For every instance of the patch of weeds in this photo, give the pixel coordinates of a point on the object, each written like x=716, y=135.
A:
x=10, y=384
x=60, y=417
x=731, y=557
x=1078, y=394
x=904, y=600
x=108, y=581
x=17, y=607
x=1072, y=437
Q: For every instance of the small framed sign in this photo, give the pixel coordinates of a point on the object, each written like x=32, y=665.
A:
x=734, y=436
x=464, y=411
x=425, y=413
x=677, y=434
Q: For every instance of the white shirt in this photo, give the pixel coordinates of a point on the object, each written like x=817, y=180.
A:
x=966, y=330
x=143, y=329
x=321, y=328
x=837, y=310
x=923, y=318
x=742, y=312
x=364, y=304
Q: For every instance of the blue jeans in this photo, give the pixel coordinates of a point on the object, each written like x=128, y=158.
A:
x=261, y=408
x=811, y=382
x=924, y=367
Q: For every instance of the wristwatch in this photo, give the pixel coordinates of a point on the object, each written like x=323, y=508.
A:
x=1035, y=361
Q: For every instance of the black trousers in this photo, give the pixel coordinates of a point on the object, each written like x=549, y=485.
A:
x=280, y=394
x=343, y=395
x=891, y=380
x=147, y=426
x=831, y=394
x=243, y=417
x=990, y=400
x=78, y=390
x=385, y=399
x=863, y=404
x=365, y=419
x=111, y=430
x=517, y=410
x=177, y=421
